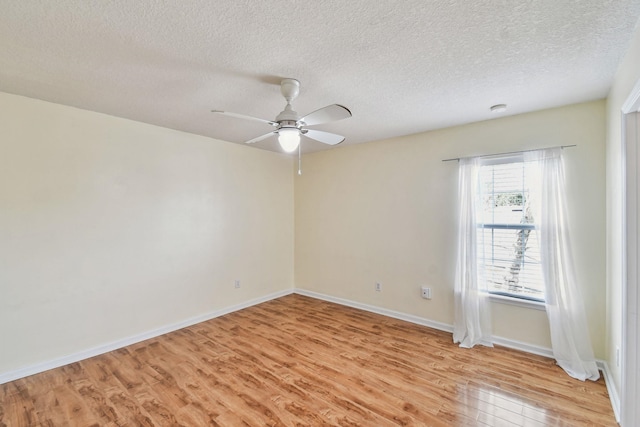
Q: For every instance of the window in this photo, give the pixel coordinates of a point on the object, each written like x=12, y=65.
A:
x=508, y=252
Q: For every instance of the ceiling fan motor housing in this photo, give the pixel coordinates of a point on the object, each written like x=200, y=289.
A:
x=287, y=115
x=288, y=124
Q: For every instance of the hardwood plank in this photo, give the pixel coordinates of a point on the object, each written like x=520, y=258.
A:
x=300, y=361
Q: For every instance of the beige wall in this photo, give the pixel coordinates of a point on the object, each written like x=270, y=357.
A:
x=626, y=77
x=110, y=228
x=385, y=212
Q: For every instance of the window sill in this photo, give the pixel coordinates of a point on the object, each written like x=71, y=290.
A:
x=500, y=299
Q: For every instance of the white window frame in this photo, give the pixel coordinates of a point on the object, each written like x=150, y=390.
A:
x=502, y=298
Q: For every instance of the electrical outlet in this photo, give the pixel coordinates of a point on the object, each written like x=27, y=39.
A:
x=236, y=284
x=426, y=292
x=378, y=287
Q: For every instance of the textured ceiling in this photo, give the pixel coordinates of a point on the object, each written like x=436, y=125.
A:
x=401, y=66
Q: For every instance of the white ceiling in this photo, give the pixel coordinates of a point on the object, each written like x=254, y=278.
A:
x=402, y=67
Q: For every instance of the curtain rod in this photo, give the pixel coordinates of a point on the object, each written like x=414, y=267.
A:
x=512, y=152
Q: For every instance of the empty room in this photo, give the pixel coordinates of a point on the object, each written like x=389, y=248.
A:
x=284, y=213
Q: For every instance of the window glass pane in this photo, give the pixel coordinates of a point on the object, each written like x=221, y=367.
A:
x=509, y=261
x=508, y=247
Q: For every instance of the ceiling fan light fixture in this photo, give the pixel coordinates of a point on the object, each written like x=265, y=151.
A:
x=289, y=139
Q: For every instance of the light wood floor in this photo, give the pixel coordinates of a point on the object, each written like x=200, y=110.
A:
x=299, y=361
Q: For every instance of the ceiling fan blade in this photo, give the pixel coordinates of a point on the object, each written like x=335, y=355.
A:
x=330, y=113
x=261, y=137
x=324, y=137
x=242, y=116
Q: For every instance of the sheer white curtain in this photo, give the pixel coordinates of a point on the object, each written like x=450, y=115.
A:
x=472, y=321
x=567, y=318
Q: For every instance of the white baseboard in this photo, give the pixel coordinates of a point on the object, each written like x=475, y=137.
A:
x=613, y=393
x=523, y=346
x=505, y=342
x=101, y=349
x=378, y=310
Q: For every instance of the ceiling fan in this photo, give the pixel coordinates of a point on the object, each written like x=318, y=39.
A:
x=289, y=125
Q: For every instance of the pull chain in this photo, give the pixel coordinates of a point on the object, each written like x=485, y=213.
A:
x=300, y=159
